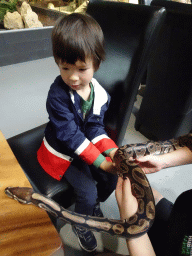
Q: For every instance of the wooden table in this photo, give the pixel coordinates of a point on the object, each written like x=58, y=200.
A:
x=24, y=229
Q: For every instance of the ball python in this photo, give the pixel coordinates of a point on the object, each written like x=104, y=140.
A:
x=136, y=225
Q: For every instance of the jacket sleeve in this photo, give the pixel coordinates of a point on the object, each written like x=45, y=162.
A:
x=96, y=130
x=68, y=132
x=103, y=142
x=98, y=136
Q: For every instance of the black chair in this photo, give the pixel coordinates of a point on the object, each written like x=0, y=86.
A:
x=24, y=147
x=145, y=2
x=130, y=33
x=128, y=43
x=166, y=109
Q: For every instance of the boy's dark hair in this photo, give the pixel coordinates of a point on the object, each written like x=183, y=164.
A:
x=77, y=37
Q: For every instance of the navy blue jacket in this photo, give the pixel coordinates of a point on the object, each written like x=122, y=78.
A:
x=67, y=134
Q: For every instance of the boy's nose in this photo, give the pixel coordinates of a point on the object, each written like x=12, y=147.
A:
x=74, y=77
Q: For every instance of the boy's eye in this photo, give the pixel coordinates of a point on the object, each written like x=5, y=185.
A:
x=65, y=68
x=82, y=69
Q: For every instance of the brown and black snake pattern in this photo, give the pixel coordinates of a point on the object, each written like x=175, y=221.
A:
x=140, y=222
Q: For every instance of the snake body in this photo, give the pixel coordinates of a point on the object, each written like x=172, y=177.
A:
x=136, y=225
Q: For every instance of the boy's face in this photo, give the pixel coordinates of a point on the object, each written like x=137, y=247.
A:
x=77, y=76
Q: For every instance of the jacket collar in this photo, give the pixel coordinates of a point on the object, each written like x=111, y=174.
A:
x=100, y=97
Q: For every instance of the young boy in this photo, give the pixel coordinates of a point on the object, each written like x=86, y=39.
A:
x=75, y=142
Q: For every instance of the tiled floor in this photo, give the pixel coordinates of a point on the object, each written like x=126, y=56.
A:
x=23, y=92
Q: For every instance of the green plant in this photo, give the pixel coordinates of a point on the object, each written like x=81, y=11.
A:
x=5, y=6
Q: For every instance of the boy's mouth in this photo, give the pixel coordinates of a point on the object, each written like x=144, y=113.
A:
x=73, y=86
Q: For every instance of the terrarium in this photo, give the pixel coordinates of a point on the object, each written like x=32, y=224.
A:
x=39, y=12
x=66, y=6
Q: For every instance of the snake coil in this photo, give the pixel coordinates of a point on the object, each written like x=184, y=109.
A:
x=142, y=220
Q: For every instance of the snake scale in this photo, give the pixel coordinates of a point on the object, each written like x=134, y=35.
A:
x=136, y=225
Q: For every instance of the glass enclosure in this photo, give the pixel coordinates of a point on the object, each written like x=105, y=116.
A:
x=48, y=11
x=60, y=5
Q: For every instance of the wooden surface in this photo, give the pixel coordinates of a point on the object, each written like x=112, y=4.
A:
x=25, y=229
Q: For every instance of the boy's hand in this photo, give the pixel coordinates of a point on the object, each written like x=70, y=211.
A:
x=108, y=167
x=112, y=153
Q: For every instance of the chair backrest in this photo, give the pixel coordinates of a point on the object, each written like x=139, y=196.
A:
x=166, y=109
x=146, y=2
x=130, y=32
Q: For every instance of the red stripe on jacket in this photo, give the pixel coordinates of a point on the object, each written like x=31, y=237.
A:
x=52, y=164
x=105, y=144
x=90, y=154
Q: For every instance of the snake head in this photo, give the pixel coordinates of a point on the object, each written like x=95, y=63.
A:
x=20, y=194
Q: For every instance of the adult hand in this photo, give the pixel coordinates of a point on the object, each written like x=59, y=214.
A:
x=127, y=203
x=150, y=163
x=155, y=163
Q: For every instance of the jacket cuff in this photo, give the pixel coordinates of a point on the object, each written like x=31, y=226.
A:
x=108, y=151
x=103, y=143
x=88, y=152
x=98, y=161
